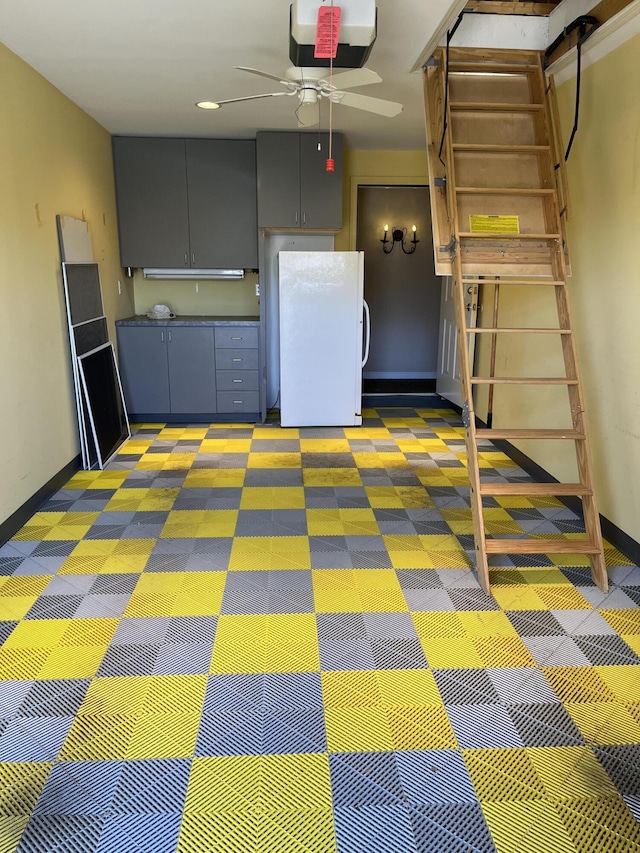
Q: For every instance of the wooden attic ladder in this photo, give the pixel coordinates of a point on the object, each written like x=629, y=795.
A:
x=501, y=157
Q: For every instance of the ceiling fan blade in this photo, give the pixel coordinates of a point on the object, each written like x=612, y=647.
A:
x=353, y=78
x=260, y=73
x=371, y=105
x=308, y=114
x=253, y=98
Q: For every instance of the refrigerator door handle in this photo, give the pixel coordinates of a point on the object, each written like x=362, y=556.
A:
x=367, y=317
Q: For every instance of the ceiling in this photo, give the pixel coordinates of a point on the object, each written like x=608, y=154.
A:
x=139, y=66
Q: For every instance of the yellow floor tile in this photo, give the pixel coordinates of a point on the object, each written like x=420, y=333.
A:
x=331, y=477
x=281, y=497
x=498, y=652
x=21, y=664
x=225, y=445
x=72, y=662
x=503, y=774
x=380, y=460
x=604, y=723
x=423, y=727
x=486, y=623
x=622, y=680
x=163, y=736
x=569, y=772
x=517, y=598
x=623, y=621
x=324, y=445
x=357, y=730
x=142, y=500
x=101, y=737
x=199, y=523
x=407, y=687
x=342, y=522
x=451, y=653
x=20, y=787
x=578, y=684
x=520, y=827
x=263, y=553
x=215, y=478
x=274, y=460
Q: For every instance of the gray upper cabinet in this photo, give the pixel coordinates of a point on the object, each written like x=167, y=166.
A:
x=151, y=187
x=186, y=203
x=294, y=188
x=221, y=179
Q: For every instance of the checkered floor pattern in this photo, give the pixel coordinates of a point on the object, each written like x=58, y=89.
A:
x=250, y=639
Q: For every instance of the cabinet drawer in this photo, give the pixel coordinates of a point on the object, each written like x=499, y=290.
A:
x=245, y=337
x=237, y=380
x=237, y=359
x=241, y=401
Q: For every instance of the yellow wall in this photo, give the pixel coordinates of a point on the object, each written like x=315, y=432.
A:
x=213, y=297
x=54, y=159
x=603, y=236
x=375, y=167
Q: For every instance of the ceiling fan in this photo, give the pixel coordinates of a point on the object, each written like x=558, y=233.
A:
x=311, y=85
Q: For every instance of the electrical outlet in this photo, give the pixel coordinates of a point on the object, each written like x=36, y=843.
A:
x=257, y=288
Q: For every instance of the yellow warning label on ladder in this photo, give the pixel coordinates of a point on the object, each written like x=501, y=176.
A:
x=493, y=224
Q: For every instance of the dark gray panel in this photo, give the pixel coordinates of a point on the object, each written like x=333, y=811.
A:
x=142, y=354
x=103, y=399
x=90, y=335
x=320, y=191
x=82, y=285
x=151, y=191
x=278, y=156
x=221, y=180
x=192, y=377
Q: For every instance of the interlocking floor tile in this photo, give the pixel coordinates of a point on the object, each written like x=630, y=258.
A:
x=244, y=638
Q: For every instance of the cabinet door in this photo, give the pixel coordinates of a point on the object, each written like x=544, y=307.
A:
x=221, y=180
x=151, y=191
x=278, y=156
x=320, y=191
x=142, y=356
x=192, y=372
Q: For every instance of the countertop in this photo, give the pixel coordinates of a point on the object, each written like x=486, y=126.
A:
x=187, y=320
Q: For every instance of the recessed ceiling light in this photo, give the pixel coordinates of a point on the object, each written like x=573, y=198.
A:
x=208, y=105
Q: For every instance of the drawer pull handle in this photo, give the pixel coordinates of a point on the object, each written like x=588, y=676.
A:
x=236, y=338
x=239, y=401
x=236, y=359
x=238, y=380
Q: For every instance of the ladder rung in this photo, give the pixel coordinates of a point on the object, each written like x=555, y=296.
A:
x=524, y=191
x=522, y=380
x=488, y=106
x=543, y=489
x=541, y=546
x=508, y=235
x=519, y=281
x=475, y=67
x=513, y=331
x=571, y=434
x=500, y=149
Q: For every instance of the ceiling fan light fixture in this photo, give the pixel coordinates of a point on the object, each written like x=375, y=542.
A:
x=208, y=105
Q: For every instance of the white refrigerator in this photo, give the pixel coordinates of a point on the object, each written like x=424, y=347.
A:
x=323, y=321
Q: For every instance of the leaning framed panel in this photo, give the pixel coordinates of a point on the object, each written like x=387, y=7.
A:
x=104, y=401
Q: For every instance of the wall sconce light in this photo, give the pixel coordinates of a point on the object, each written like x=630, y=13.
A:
x=398, y=236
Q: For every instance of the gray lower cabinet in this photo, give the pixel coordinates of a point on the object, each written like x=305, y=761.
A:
x=189, y=370
x=192, y=376
x=294, y=188
x=186, y=203
x=167, y=370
